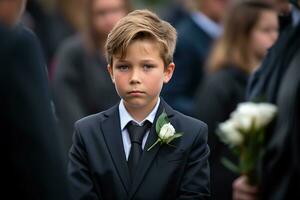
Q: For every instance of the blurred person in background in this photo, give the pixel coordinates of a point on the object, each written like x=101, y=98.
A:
x=177, y=10
x=31, y=148
x=65, y=19
x=196, y=34
x=53, y=21
x=278, y=82
x=250, y=29
x=81, y=84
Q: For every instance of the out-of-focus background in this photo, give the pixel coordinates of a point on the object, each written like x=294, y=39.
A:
x=55, y=20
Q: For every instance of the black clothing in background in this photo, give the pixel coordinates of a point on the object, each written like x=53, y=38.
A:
x=217, y=97
x=281, y=163
x=33, y=163
x=277, y=81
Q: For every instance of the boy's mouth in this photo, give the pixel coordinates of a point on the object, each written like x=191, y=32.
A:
x=136, y=92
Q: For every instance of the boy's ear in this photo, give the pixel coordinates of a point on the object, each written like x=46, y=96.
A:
x=169, y=72
x=110, y=70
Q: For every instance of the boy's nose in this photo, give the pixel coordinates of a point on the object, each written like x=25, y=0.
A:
x=135, y=76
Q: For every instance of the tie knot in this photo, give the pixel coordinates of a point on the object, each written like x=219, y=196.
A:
x=136, y=132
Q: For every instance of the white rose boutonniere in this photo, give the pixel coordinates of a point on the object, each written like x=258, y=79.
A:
x=165, y=130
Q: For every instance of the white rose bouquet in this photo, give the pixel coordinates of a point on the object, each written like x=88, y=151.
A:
x=244, y=133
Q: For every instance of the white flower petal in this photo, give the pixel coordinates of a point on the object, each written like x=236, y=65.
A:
x=229, y=134
x=166, y=131
x=260, y=114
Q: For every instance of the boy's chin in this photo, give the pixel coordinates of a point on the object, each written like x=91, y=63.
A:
x=135, y=103
x=138, y=103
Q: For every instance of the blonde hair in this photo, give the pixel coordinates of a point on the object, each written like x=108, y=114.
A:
x=138, y=25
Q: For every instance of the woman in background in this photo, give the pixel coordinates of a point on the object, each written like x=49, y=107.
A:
x=250, y=29
x=81, y=83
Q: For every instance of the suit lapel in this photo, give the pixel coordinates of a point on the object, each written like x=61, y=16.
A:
x=112, y=133
x=148, y=156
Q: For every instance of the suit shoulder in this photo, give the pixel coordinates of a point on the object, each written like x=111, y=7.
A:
x=193, y=129
x=27, y=41
x=26, y=34
x=190, y=121
x=89, y=120
x=94, y=119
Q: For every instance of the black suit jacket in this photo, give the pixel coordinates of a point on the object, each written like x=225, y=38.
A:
x=215, y=101
x=30, y=149
x=98, y=167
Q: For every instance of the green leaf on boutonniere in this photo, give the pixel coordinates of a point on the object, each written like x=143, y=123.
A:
x=162, y=119
x=176, y=135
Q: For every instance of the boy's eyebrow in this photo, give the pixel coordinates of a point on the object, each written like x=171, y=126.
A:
x=126, y=61
x=147, y=60
x=122, y=60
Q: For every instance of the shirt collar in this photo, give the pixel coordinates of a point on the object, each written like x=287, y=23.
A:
x=125, y=117
x=209, y=26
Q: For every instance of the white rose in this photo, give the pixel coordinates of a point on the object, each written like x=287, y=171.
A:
x=166, y=131
x=229, y=134
x=267, y=112
x=258, y=114
x=245, y=115
x=242, y=120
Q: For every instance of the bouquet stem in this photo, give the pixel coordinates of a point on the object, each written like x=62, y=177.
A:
x=252, y=178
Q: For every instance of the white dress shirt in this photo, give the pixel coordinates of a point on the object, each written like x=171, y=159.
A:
x=125, y=117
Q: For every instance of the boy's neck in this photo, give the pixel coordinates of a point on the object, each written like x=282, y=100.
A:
x=139, y=114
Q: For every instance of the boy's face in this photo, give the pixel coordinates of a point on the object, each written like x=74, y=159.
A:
x=139, y=76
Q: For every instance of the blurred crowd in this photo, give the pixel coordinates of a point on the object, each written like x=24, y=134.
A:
x=228, y=51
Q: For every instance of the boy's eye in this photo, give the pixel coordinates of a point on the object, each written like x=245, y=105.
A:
x=148, y=67
x=122, y=67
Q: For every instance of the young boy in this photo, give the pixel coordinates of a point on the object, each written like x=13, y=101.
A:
x=106, y=162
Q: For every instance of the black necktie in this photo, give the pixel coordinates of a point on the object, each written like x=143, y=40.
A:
x=136, y=134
